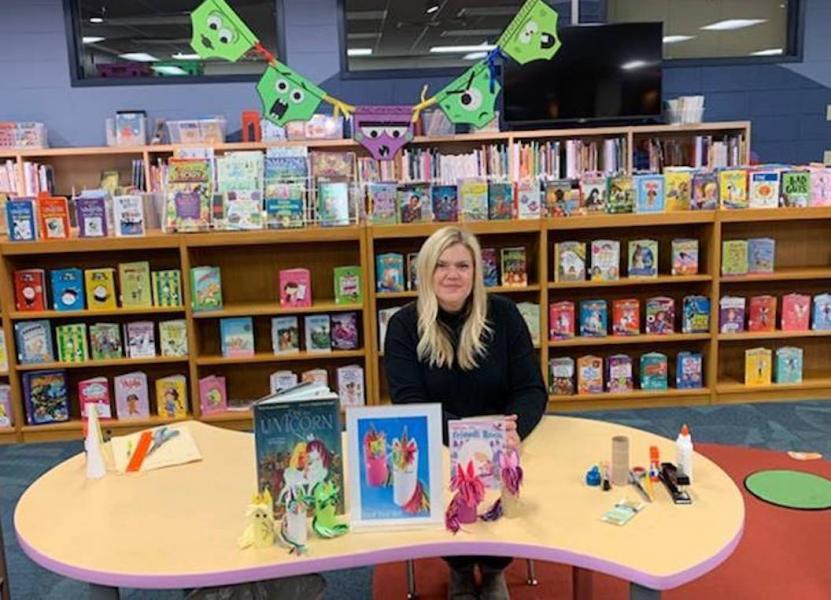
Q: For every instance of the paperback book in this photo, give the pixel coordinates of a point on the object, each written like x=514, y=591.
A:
x=285, y=208
x=295, y=288
x=594, y=192
x=705, y=191
x=605, y=260
x=45, y=397
x=318, y=333
x=590, y=375
x=213, y=395
x=653, y=371
x=594, y=318
x=141, y=339
x=30, y=290
x=95, y=392
x=649, y=193
x=348, y=285
x=414, y=203
x=132, y=400
x=696, y=314
x=734, y=257
x=351, y=386
x=473, y=199
x=758, y=366
x=20, y=220
x=173, y=337
x=389, y=272
x=822, y=312
x=34, y=342
x=285, y=334
x=795, y=189
x=731, y=314
x=733, y=188
x=167, y=288
x=128, y=216
x=67, y=289
x=660, y=316
x=333, y=203
x=382, y=202
x=561, y=376
x=529, y=199
x=619, y=374
x=764, y=189
x=445, y=203
x=384, y=316
x=685, y=257
x=72, y=343
x=788, y=365
x=237, y=336
x=490, y=267
x=500, y=201
x=621, y=198
x=206, y=288
x=678, y=189
x=100, y=289
x=643, y=258
x=796, y=312
x=91, y=216
x=172, y=397
x=134, y=282
x=514, y=267
x=477, y=441
x=563, y=198
x=626, y=317
x=561, y=320
x=344, y=331
x=570, y=259
x=761, y=253
x=762, y=313
x=689, y=370
x=53, y=213
x=105, y=341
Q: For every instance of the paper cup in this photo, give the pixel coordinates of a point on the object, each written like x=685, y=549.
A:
x=404, y=482
x=376, y=471
x=297, y=528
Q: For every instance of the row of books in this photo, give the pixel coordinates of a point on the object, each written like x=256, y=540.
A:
x=658, y=153
x=747, y=257
x=798, y=313
x=587, y=374
x=349, y=379
x=569, y=158
x=95, y=289
x=321, y=333
x=430, y=164
x=77, y=343
x=759, y=365
x=659, y=317
x=604, y=259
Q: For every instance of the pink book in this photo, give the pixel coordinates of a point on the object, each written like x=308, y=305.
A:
x=213, y=397
x=295, y=287
x=95, y=391
x=796, y=312
x=820, y=186
x=132, y=401
x=561, y=320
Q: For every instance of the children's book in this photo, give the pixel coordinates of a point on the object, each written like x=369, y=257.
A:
x=594, y=318
x=134, y=282
x=529, y=199
x=621, y=196
x=590, y=375
x=128, y=216
x=689, y=370
x=389, y=272
x=619, y=374
x=414, y=203
x=34, y=342
x=788, y=365
x=30, y=290
x=173, y=337
x=412, y=272
x=20, y=219
x=605, y=260
x=53, y=213
x=473, y=199
x=243, y=210
x=594, y=189
x=332, y=164
x=758, y=366
x=796, y=312
x=351, y=385
x=685, y=256
x=105, y=341
x=764, y=189
x=167, y=288
x=68, y=289
x=660, y=316
x=530, y=312
x=141, y=339
x=285, y=207
x=570, y=260
x=285, y=335
x=100, y=289
x=384, y=316
x=382, y=203
x=731, y=314
x=295, y=287
x=237, y=336
x=319, y=376
x=561, y=320
x=4, y=353
x=561, y=376
x=643, y=258
x=281, y=380
x=626, y=316
x=344, y=331
x=333, y=203
x=762, y=313
x=445, y=203
x=733, y=188
x=563, y=198
x=213, y=395
x=795, y=189
x=649, y=193
x=705, y=191
x=761, y=254
x=734, y=257
x=479, y=441
x=490, y=267
x=500, y=201
x=188, y=195
x=820, y=186
x=822, y=312
x=348, y=285
x=132, y=400
x=72, y=343
x=172, y=397
x=91, y=216
x=514, y=267
x=45, y=397
x=678, y=183
x=206, y=288
x=318, y=333
x=653, y=371
x=696, y=314
x=95, y=391
x=6, y=417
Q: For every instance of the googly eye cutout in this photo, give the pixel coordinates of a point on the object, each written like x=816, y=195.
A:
x=530, y=29
x=471, y=99
x=214, y=22
x=281, y=85
x=396, y=132
x=297, y=96
x=372, y=132
x=227, y=36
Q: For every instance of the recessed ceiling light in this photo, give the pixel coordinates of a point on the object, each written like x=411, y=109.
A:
x=674, y=39
x=474, y=56
x=169, y=70
x=138, y=57
x=96, y=20
x=633, y=64
x=456, y=49
x=92, y=39
x=733, y=24
x=359, y=51
x=768, y=52
x=432, y=9
x=183, y=56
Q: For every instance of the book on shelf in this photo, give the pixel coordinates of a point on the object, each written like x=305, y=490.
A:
x=528, y=199
x=594, y=318
x=236, y=336
x=412, y=273
x=96, y=392
x=72, y=343
x=285, y=206
x=653, y=371
x=295, y=288
x=659, y=316
x=643, y=258
x=344, y=331
x=821, y=312
x=33, y=340
x=45, y=397
x=733, y=188
x=764, y=189
x=206, y=288
x=626, y=316
x=649, y=193
x=172, y=397
x=100, y=289
x=281, y=380
x=758, y=366
x=678, y=189
x=68, y=289
x=351, y=386
x=762, y=313
x=734, y=257
x=705, y=191
x=382, y=202
x=348, y=285
x=500, y=201
x=561, y=318
x=134, y=283
x=695, y=314
x=318, y=332
x=167, y=288
x=561, y=376
x=53, y=216
x=132, y=399
x=605, y=260
x=20, y=219
x=789, y=363
x=796, y=312
x=514, y=267
x=188, y=194
x=243, y=210
x=594, y=192
x=105, y=341
x=173, y=338
x=795, y=188
x=213, y=395
x=621, y=196
x=332, y=164
x=689, y=372
x=128, y=216
x=389, y=272
x=619, y=374
x=6, y=414
x=333, y=203
x=4, y=353
x=414, y=203
x=590, y=374
x=731, y=314
x=445, y=203
x=490, y=267
x=30, y=290
x=384, y=316
x=530, y=312
x=140, y=339
x=761, y=255
x=473, y=199
x=820, y=186
x=685, y=256
x=91, y=216
x=570, y=261
x=285, y=334
x=563, y=198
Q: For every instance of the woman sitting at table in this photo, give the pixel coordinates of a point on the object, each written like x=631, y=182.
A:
x=470, y=352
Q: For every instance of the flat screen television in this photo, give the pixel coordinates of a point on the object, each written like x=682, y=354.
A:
x=602, y=73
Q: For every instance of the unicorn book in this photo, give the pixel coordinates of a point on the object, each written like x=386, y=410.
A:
x=479, y=441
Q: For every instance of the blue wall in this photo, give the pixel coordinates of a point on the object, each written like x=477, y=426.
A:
x=786, y=103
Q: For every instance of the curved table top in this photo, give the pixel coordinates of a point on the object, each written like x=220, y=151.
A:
x=177, y=527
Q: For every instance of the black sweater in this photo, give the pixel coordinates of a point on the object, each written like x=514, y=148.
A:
x=507, y=380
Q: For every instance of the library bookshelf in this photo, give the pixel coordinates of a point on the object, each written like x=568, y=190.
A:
x=250, y=261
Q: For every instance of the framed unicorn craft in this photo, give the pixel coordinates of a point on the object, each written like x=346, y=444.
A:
x=394, y=466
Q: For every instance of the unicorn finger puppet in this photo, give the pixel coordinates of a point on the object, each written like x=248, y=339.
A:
x=294, y=531
x=325, y=523
x=511, y=475
x=469, y=492
x=259, y=532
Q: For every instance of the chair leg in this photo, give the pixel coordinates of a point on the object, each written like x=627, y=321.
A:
x=532, y=574
x=411, y=589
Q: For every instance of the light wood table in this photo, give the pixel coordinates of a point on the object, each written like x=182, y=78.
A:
x=177, y=527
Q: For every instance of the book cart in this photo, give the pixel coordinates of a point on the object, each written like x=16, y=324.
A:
x=250, y=261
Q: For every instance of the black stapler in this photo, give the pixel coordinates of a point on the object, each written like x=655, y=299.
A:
x=674, y=481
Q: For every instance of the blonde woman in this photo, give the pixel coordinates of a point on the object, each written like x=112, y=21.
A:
x=473, y=354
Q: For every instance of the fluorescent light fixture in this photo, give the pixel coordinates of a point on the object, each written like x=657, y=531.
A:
x=361, y=36
x=169, y=70
x=474, y=56
x=488, y=11
x=733, y=24
x=633, y=64
x=458, y=49
x=138, y=57
x=432, y=9
x=470, y=32
x=358, y=51
x=366, y=15
x=183, y=56
x=768, y=52
x=92, y=39
x=674, y=39
x=96, y=20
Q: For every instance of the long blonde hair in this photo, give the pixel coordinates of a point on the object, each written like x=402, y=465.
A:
x=434, y=343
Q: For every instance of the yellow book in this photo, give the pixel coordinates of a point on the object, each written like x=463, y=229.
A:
x=172, y=397
x=758, y=365
x=100, y=288
x=134, y=283
x=678, y=190
x=732, y=185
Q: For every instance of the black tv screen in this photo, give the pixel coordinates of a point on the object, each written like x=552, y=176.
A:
x=601, y=73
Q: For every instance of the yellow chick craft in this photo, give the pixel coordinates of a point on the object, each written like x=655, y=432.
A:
x=260, y=529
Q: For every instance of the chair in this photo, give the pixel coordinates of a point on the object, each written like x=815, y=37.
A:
x=411, y=591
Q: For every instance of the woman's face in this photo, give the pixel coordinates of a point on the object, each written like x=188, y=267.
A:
x=453, y=277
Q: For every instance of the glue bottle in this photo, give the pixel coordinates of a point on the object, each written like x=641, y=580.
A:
x=684, y=452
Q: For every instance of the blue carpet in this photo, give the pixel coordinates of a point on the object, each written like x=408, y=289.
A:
x=781, y=426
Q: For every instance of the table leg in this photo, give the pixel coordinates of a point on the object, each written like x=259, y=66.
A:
x=411, y=588
x=581, y=583
x=102, y=592
x=639, y=592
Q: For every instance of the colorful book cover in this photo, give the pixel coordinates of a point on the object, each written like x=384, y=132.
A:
x=734, y=257
x=619, y=374
x=34, y=342
x=105, y=341
x=4, y=353
x=590, y=375
x=237, y=336
x=570, y=261
x=678, y=189
x=733, y=188
x=30, y=290
x=318, y=331
x=490, y=267
x=796, y=312
x=820, y=186
x=412, y=272
x=286, y=207
x=172, y=397
x=285, y=335
x=480, y=441
x=140, y=339
x=764, y=189
x=348, y=286
x=53, y=213
x=445, y=203
x=514, y=267
x=206, y=288
x=68, y=289
x=173, y=337
x=643, y=258
x=20, y=219
x=319, y=376
x=822, y=312
x=213, y=395
x=382, y=202
x=594, y=188
x=6, y=416
x=389, y=272
x=473, y=199
x=626, y=316
x=128, y=216
x=621, y=196
x=243, y=210
x=132, y=399
x=685, y=256
x=649, y=193
x=660, y=316
x=731, y=314
x=72, y=343
x=689, y=371
x=332, y=164
x=351, y=386
x=561, y=376
x=91, y=216
x=100, y=289
x=344, y=331
x=500, y=201
x=134, y=282
x=414, y=203
x=295, y=287
x=594, y=318
x=529, y=199
x=758, y=366
x=795, y=189
x=530, y=312
x=762, y=313
x=95, y=391
x=653, y=371
x=561, y=320
x=333, y=203
x=563, y=198
x=281, y=380
x=695, y=317
x=705, y=190
x=788, y=365
x=291, y=164
x=605, y=260
x=45, y=397
x=167, y=288
x=761, y=255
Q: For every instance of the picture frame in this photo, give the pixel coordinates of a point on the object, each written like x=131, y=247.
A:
x=394, y=462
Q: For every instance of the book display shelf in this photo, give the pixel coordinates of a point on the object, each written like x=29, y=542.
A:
x=250, y=262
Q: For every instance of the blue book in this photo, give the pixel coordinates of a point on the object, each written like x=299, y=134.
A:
x=696, y=314
x=649, y=193
x=761, y=253
x=45, y=397
x=389, y=272
x=500, y=201
x=237, y=336
x=688, y=370
x=445, y=203
x=20, y=217
x=594, y=318
x=34, y=341
x=788, y=365
x=822, y=312
x=653, y=371
x=68, y=289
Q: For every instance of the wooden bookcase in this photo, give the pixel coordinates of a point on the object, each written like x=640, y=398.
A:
x=250, y=261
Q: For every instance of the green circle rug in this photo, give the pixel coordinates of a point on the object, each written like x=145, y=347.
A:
x=790, y=489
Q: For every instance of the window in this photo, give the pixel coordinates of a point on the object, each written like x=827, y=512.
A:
x=137, y=41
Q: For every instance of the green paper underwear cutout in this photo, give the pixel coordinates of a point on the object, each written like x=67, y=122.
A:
x=469, y=99
x=532, y=34
x=219, y=33
x=287, y=96
x=790, y=489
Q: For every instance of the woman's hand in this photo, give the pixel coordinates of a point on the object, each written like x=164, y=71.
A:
x=512, y=435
